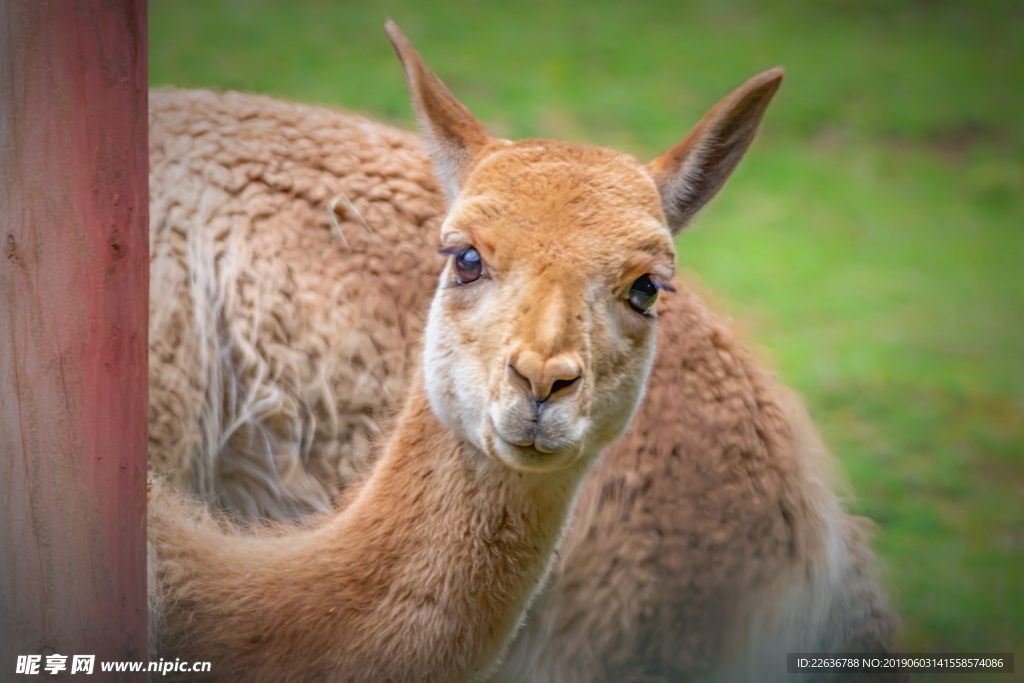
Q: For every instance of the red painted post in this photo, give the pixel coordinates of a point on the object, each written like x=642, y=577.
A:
x=74, y=259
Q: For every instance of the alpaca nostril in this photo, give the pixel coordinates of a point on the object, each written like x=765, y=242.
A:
x=560, y=384
x=519, y=377
x=557, y=389
x=543, y=378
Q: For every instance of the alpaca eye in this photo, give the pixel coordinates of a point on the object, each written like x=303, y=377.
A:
x=642, y=294
x=468, y=266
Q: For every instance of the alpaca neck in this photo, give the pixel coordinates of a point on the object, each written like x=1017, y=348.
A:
x=425, y=575
x=468, y=541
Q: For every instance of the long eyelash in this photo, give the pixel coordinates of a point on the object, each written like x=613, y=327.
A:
x=452, y=250
x=661, y=284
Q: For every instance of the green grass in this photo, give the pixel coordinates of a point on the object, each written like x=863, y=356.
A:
x=871, y=241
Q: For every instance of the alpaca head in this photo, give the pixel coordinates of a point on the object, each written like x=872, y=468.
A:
x=542, y=330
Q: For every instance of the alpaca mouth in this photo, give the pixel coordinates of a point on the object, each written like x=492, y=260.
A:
x=531, y=450
x=530, y=445
x=529, y=454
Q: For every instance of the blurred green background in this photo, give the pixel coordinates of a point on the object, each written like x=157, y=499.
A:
x=871, y=242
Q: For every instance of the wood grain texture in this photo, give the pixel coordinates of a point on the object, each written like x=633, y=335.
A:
x=73, y=330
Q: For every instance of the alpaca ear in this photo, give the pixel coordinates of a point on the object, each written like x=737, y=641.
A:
x=692, y=172
x=453, y=134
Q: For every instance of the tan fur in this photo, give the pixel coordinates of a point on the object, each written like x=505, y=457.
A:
x=424, y=576
x=707, y=543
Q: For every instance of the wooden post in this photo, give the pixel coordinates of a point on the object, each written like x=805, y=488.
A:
x=74, y=242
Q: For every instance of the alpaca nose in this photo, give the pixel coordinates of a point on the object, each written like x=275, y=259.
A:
x=545, y=378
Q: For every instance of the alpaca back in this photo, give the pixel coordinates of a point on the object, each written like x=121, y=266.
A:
x=707, y=542
x=277, y=351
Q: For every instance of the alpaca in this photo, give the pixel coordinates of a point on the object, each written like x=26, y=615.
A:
x=537, y=346
x=706, y=544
